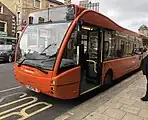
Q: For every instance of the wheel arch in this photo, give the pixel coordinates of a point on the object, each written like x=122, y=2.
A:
x=109, y=71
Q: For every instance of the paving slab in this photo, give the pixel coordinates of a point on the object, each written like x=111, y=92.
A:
x=129, y=116
x=130, y=109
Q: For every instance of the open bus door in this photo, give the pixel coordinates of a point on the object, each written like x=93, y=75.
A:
x=90, y=58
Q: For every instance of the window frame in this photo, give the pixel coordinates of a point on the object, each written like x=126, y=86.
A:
x=35, y=3
x=1, y=9
x=63, y=69
x=5, y=25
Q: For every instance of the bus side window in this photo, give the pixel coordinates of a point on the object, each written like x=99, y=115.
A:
x=106, y=49
x=69, y=59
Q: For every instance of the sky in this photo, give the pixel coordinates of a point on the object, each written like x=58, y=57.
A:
x=130, y=14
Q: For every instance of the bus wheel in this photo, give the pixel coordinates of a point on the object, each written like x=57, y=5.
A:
x=108, y=79
x=9, y=59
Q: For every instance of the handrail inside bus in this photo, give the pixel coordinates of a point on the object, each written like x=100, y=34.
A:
x=95, y=65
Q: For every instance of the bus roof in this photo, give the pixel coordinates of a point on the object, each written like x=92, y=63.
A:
x=111, y=24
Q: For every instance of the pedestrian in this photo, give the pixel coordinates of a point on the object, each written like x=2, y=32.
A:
x=144, y=66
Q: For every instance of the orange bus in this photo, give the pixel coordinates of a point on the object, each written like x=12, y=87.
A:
x=68, y=50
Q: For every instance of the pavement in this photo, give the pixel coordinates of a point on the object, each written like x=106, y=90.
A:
x=121, y=102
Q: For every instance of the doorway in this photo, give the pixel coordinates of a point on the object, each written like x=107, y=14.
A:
x=90, y=58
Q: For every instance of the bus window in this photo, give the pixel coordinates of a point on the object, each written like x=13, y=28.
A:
x=123, y=46
x=106, y=48
x=42, y=41
x=109, y=45
x=65, y=13
x=70, y=57
x=93, y=45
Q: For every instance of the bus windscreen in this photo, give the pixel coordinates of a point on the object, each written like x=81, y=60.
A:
x=64, y=13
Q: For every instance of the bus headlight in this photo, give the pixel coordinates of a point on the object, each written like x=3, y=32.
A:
x=53, y=82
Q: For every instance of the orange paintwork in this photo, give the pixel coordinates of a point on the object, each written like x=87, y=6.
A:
x=121, y=66
x=33, y=77
x=63, y=46
x=66, y=85
x=105, y=22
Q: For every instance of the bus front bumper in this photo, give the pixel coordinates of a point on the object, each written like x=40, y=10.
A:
x=33, y=79
x=45, y=83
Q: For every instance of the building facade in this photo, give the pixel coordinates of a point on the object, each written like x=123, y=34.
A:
x=22, y=8
x=83, y=2
x=89, y=5
x=67, y=1
x=144, y=31
x=7, y=21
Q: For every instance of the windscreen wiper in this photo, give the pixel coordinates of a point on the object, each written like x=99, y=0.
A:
x=19, y=64
x=48, y=47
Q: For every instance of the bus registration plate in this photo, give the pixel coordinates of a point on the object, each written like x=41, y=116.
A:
x=32, y=89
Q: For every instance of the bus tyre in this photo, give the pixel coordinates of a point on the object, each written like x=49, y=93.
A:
x=108, y=80
x=9, y=58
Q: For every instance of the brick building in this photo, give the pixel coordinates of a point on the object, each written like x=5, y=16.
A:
x=21, y=8
x=7, y=21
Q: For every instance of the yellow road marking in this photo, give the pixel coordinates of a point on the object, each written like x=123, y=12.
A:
x=10, y=89
x=25, y=115
x=28, y=103
x=23, y=95
x=11, y=114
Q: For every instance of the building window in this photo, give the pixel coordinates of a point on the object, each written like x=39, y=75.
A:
x=37, y=3
x=51, y=6
x=2, y=26
x=1, y=9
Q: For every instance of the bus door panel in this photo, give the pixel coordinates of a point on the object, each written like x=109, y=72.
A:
x=92, y=60
x=136, y=62
x=90, y=52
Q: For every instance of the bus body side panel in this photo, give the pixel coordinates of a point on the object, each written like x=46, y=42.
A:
x=121, y=66
x=32, y=77
x=67, y=84
x=138, y=59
